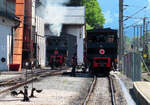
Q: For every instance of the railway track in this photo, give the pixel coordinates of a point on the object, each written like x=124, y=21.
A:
x=101, y=92
x=14, y=83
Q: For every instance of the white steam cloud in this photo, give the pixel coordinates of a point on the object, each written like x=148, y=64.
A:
x=54, y=13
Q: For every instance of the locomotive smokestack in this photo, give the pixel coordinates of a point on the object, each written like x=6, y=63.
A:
x=98, y=27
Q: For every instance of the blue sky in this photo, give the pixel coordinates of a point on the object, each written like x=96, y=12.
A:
x=110, y=10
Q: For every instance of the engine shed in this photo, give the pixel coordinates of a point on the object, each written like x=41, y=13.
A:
x=74, y=24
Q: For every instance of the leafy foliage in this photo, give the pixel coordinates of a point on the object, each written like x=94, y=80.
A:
x=88, y=27
x=127, y=44
x=94, y=15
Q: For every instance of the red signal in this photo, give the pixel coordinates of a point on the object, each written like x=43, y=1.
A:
x=102, y=51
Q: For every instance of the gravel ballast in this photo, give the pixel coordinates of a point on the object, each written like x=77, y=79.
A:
x=58, y=90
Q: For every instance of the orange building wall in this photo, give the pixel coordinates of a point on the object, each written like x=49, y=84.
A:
x=18, y=39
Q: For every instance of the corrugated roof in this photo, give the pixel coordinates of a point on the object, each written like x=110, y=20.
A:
x=74, y=15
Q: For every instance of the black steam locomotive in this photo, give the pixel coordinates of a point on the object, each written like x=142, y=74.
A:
x=101, y=51
x=60, y=50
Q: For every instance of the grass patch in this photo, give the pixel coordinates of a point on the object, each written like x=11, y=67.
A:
x=143, y=68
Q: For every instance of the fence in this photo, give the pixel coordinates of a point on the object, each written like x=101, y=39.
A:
x=132, y=66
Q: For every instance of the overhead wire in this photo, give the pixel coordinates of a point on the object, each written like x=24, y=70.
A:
x=135, y=23
x=138, y=18
x=135, y=13
x=134, y=6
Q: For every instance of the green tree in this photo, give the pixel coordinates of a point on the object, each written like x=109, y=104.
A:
x=94, y=15
x=88, y=27
x=127, y=44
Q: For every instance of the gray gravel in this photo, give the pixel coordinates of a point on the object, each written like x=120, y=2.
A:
x=5, y=77
x=58, y=90
x=101, y=94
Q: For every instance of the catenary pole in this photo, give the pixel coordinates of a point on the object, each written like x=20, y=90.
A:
x=121, y=48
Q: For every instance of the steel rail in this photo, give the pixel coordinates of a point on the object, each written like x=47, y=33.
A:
x=112, y=91
x=90, y=91
x=19, y=79
x=44, y=74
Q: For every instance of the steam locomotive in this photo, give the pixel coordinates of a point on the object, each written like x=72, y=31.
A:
x=60, y=49
x=101, y=50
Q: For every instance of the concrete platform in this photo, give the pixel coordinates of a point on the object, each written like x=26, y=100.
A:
x=142, y=92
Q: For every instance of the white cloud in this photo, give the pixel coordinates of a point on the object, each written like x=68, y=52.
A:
x=148, y=4
x=108, y=17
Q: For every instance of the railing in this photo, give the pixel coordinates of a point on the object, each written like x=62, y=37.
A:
x=132, y=66
x=145, y=65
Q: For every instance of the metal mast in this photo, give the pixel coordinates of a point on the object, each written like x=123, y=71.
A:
x=121, y=47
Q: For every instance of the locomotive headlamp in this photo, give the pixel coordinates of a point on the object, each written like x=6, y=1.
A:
x=56, y=52
x=102, y=51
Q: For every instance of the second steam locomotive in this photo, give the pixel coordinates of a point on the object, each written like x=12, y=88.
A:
x=60, y=50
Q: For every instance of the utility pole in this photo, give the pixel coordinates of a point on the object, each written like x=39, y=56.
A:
x=137, y=38
x=145, y=48
x=144, y=32
x=121, y=48
x=134, y=40
x=141, y=36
